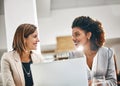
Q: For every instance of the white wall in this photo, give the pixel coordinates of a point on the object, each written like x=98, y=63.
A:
x=3, y=44
x=18, y=12
x=43, y=7
x=59, y=22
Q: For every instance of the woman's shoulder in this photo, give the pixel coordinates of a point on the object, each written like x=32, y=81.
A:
x=103, y=48
x=35, y=54
x=106, y=51
x=9, y=56
x=37, y=57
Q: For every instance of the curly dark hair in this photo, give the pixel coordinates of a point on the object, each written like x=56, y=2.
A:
x=87, y=24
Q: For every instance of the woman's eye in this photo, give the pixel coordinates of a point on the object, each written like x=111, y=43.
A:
x=35, y=36
x=77, y=34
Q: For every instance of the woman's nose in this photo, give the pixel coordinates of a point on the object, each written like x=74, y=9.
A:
x=73, y=38
x=38, y=40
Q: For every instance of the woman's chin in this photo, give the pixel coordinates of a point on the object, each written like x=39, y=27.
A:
x=76, y=46
x=34, y=48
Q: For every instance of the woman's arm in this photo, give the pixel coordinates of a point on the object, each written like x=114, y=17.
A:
x=111, y=72
x=6, y=72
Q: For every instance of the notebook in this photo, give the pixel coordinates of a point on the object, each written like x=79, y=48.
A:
x=71, y=72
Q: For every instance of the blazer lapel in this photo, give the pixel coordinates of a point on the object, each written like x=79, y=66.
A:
x=19, y=67
x=101, y=62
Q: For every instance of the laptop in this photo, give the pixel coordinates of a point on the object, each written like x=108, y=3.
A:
x=71, y=72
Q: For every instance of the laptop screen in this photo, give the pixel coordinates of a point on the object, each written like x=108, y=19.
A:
x=71, y=72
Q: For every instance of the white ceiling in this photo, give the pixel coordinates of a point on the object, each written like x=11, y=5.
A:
x=63, y=4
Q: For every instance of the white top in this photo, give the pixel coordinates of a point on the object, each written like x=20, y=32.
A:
x=92, y=71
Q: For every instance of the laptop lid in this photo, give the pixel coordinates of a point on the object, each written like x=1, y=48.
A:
x=71, y=72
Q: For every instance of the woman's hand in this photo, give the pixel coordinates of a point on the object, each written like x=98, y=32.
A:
x=89, y=82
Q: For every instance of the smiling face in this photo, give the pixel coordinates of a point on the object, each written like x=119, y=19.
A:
x=80, y=37
x=31, y=41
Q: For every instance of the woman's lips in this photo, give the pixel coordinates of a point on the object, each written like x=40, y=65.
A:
x=76, y=44
x=35, y=44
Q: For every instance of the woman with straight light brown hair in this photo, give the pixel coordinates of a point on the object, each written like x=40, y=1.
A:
x=15, y=65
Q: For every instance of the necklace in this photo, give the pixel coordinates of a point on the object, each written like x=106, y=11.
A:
x=28, y=73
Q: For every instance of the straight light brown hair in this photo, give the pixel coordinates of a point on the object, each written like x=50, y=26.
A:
x=23, y=31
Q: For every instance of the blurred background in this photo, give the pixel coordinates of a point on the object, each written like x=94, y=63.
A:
x=54, y=19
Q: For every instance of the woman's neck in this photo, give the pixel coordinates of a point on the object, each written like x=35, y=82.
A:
x=89, y=53
x=26, y=57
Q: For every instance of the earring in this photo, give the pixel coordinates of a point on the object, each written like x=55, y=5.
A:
x=26, y=51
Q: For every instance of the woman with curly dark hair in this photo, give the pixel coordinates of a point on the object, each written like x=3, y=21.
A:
x=100, y=60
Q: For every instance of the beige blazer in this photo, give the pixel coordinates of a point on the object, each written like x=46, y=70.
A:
x=11, y=68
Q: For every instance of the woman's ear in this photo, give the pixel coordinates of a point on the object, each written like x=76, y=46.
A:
x=89, y=34
x=24, y=41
